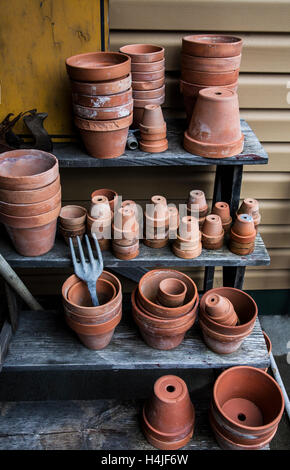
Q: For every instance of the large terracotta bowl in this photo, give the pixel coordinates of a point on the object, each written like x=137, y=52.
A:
x=98, y=66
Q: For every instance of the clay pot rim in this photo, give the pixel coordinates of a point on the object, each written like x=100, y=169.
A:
x=105, y=281
x=80, y=219
x=168, y=294
x=125, y=81
x=154, y=84
x=196, y=85
x=205, y=59
x=218, y=148
x=33, y=221
x=268, y=342
x=141, y=103
x=113, y=109
x=100, y=220
x=161, y=71
x=223, y=337
x=225, y=39
x=73, y=62
x=163, y=435
x=111, y=125
x=115, y=310
x=26, y=192
x=102, y=328
x=127, y=49
x=244, y=239
x=32, y=205
x=96, y=192
x=152, y=130
x=242, y=426
x=124, y=92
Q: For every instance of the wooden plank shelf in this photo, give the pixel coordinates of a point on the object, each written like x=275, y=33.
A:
x=73, y=155
x=59, y=257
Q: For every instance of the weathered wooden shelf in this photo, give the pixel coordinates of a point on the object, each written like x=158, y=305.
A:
x=73, y=155
x=59, y=257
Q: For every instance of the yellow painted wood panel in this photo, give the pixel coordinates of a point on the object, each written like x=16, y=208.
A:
x=35, y=39
x=261, y=52
x=189, y=15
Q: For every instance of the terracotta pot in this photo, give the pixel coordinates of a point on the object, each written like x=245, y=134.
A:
x=197, y=198
x=79, y=293
x=188, y=229
x=148, y=76
x=154, y=147
x=30, y=221
x=212, y=232
x=148, y=85
x=221, y=310
x=153, y=117
x=125, y=252
x=125, y=221
x=156, y=242
x=92, y=319
x=217, y=111
x=212, y=45
x=104, y=139
x=101, y=227
x=156, y=215
x=247, y=407
x=30, y=196
x=27, y=169
x=103, y=101
x=142, y=103
x=222, y=209
x=148, y=94
x=186, y=251
x=251, y=206
x=209, y=79
x=241, y=249
x=268, y=345
x=243, y=235
x=143, y=52
x=148, y=290
x=73, y=234
x=168, y=417
x=211, y=64
x=104, y=114
x=152, y=137
x=152, y=130
x=100, y=207
x=110, y=194
x=110, y=87
x=148, y=66
x=98, y=66
x=171, y=292
x=27, y=210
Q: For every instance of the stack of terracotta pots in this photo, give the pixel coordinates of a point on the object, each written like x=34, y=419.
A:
x=156, y=223
x=243, y=235
x=251, y=206
x=125, y=243
x=225, y=336
x=247, y=406
x=102, y=101
x=222, y=209
x=208, y=60
x=30, y=199
x=94, y=326
x=99, y=220
x=153, y=130
x=197, y=205
x=212, y=232
x=72, y=223
x=188, y=241
x=148, y=76
x=214, y=130
x=168, y=417
x=161, y=310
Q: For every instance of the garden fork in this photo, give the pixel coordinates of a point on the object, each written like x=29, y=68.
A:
x=88, y=271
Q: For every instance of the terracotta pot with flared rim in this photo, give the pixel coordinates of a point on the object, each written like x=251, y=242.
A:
x=168, y=416
x=250, y=206
x=221, y=310
x=154, y=146
x=268, y=345
x=251, y=409
x=147, y=138
x=219, y=343
x=73, y=234
x=100, y=227
x=125, y=252
x=187, y=253
x=79, y=293
x=212, y=45
x=110, y=194
x=32, y=196
x=171, y=292
x=148, y=76
x=104, y=114
x=102, y=141
x=212, y=226
x=72, y=216
x=153, y=116
x=148, y=66
x=98, y=66
x=125, y=220
x=149, y=85
x=210, y=64
x=148, y=94
x=209, y=79
x=158, y=101
x=217, y=111
x=244, y=250
x=244, y=225
x=103, y=101
x=101, y=309
x=188, y=229
x=27, y=169
x=148, y=289
x=110, y=87
x=92, y=319
x=27, y=210
x=143, y=52
x=222, y=209
x=30, y=221
x=197, y=197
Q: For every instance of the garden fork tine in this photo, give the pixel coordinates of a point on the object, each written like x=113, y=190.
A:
x=99, y=253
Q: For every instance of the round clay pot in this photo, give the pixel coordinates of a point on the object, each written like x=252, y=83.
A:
x=148, y=66
x=247, y=406
x=103, y=114
x=209, y=79
x=168, y=417
x=30, y=196
x=27, y=210
x=101, y=227
x=30, y=221
x=143, y=52
x=217, y=111
x=221, y=310
x=104, y=139
x=148, y=290
x=211, y=64
x=212, y=232
x=243, y=234
x=171, y=292
x=153, y=137
x=212, y=45
x=142, y=103
x=188, y=229
x=222, y=209
x=110, y=87
x=156, y=242
x=92, y=319
x=79, y=293
x=244, y=225
x=100, y=207
x=197, y=197
x=148, y=76
x=110, y=194
x=73, y=234
x=187, y=253
x=125, y=252
x=98, y=66
x=149, y=94
x=148, y=85
x=27, y=169
x=153, y=116
x=154, y=147
x=103, y=101
x=251, y=206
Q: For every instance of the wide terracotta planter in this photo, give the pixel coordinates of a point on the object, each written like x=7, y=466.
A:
x=30, y=196
x=211, y=64
x=111, y=87
x=148, y=85
x=79, y=293
x=27, y=169
x=103, y=114
x=247, y=407
x=103, y=101
x=149, y=94
x=98, y=66
x=35, y=209
x=148, y=66
x=209, y=79
x=143, y=52
x=72, y=216
x=168, y=417
x=214, y=130
x=104, y=139
x=212, y=45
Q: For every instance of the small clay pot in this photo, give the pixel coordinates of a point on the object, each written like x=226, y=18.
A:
x=153, y=146
x=100, y=207
x=101, y=227
x=197, y=197
x=222, y=209
x=110, y=194
x=98, y=66
x=211, y=64
x=148, y=76
x=148, y=85
x=104, y=114
x=27, y=169
x=171, y=292
x=212, y=232
x=30, y=196
x=156, y=242
x=148, y=94
x=152, y=130
x=103, y=101
x=168, y=417
x=241, y=249
x=110, y=87
x=212, y=45
x=187, y=253
x=251, y=206
x=217, y=111
x=209, y=79
x=27, y=210
x=125, y=252
x=153, y=117
x=221, y=310
x=73, y=234
x=243, y=235
x=72, y=216
x=148, y=66
x=143, y=52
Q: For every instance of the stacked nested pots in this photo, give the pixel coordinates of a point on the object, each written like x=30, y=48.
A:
x=164, y=307
x=148, y=76
x=250, y=206
x=247, y=406
x=94, y=326
x=100, y=216
x=102, y=101
x=243, y=235
x=125, y=230
x=156, y=222
x=153, y=130
x=30, y=199
x=208, y=60
x=187, y=244
x=72, y=223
